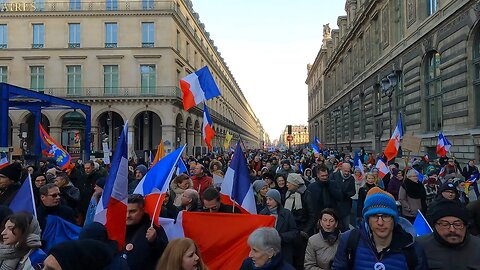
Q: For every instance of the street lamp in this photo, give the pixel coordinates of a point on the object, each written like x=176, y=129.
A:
x=388, y=85
x=335, y=114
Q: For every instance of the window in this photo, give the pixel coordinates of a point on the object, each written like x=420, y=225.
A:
x=39, y=5
x=397, y=15
x=111, y=35
x=178, y=40
x=75, y=5
x=378, y=98
x=110, y=79
x=3, y=74
x=432, y=7
x=476, y=77
x=74, y=35
x=362, y=122
x=148, y=78
x=37, y=78
x=147, y=4
x=400, y=97
x=3, y=36
x=187, y=49
x=74, y=80
x=433, y=91
x=111, y=4
x=38, y=32
x=148, y=35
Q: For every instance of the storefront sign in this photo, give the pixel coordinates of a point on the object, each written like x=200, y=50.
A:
x=18, y=7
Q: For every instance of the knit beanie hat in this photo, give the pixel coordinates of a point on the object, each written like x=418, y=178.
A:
x=142, y=168
x=447, y=208
x=12, y=171
x=101, y=182
x=447, y=186
x=83, y=254
x=379, y=202
x=258, y=184
x=275, y=194
x=295, y=178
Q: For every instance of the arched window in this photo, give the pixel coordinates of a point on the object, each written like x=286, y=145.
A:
x=476, y=77
x=433, y=91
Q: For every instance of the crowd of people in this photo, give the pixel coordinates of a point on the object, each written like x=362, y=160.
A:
x=329, y=214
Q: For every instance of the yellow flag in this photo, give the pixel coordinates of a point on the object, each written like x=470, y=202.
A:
x=160, y=153
x=228, y=138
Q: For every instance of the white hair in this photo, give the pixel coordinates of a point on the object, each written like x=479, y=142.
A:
x=265, y=239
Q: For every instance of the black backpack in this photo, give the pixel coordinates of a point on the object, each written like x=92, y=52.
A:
x=352, y=244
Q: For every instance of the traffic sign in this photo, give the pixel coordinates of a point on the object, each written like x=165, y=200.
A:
x=290, y=138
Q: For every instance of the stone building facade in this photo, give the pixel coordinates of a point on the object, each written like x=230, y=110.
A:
x=299, y=134
x=417, y=57
x=125, y=60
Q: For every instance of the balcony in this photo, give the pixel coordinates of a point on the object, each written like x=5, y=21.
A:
x=73, y=45
x=148, y=44
x=37, y=45
x=110, y=45
x=50, y=6
x=120, y=92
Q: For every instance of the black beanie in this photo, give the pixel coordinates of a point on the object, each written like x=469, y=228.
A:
x=446, y=208
x=12, y=171
x=82, y=254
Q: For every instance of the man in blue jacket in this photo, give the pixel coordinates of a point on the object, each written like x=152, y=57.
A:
x=380, y=243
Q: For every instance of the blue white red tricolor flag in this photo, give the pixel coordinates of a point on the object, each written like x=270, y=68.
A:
x=358, y=164
x=51, y=148
x=24, y=201
x=473, y=178
x=112, y=206
x=3, y=160
x=382, y=168
x=391, y=150
x=208, y=132
x=156, y=181
x=443, y=145
x=236, y=183
x=316, y=150
x=197, y=87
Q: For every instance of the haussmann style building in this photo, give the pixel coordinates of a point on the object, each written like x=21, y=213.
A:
x=417, y=57
x=125, y=60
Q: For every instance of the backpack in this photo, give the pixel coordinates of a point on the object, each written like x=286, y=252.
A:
x=352, y=244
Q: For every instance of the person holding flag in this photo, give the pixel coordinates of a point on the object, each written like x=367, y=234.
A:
x=9, y=182
x=412, y=196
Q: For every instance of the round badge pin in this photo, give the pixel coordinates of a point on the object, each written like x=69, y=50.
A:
x=129, y=247
x=379, y=266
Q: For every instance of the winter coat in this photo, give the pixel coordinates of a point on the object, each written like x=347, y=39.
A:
x=176, y=193
x=200, y=184
x=362, y=195
x=321, y=197
x=366, y=254
x=304, y=217
x=440, y=256
x=342, y=190
x=410, y=206
x=144, y=255
x=70, y=196
x=287, y=228
x=7, y=195
x=394, y=186
x=62, y=211
x=275, y=264
x=320, y=254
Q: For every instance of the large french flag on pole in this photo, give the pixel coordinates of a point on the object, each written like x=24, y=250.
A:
x=197, y=87
x=208, y=132
x=236, y=183
x=112, y=207
x=391, y=150
x=443, y=145
x=156, y=181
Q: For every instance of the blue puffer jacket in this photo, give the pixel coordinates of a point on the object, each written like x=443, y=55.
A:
x=366, y=255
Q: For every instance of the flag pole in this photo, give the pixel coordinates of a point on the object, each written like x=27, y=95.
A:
x=155, y=211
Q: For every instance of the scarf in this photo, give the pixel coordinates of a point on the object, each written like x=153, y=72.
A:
x=11, y=255
x=293, y=201
x=330, y=237
x=416, y=190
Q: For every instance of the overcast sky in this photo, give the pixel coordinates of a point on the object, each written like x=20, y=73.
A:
x=267, y=45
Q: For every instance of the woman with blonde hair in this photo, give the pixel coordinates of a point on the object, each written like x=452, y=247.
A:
x=181, y=254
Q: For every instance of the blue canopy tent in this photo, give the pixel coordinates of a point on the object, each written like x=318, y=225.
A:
x=17, y=98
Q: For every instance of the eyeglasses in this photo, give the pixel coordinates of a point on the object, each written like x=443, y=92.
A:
x=385, y=218
x=54, y=195
x=458, y=225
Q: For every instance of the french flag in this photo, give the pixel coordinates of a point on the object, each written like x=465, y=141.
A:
x=317, y=141
x=420, y=176
x=382, y=168
x=316, y=150
x=3, y=160
x=473, y=178
x=358, y=164
x=391, y=150
x=112, y=206
x=155, y=183
x=443, y=145
x=182, y=168
x=236, y=183
x=208, y=132
x=197, y=87
x=24, y=200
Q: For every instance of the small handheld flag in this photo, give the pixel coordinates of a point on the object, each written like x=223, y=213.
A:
x=51, y=148
x=391, y=150
x=443, y=145
x=3, y=160
x=421, y=225
x=24, y=199
x=208, y=132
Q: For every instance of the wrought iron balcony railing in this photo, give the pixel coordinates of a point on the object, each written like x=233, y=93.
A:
x=111, y=45
x=148, y=44
x=37, y=45
x=3, y=46
x=73, y=45
x=112, y=92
